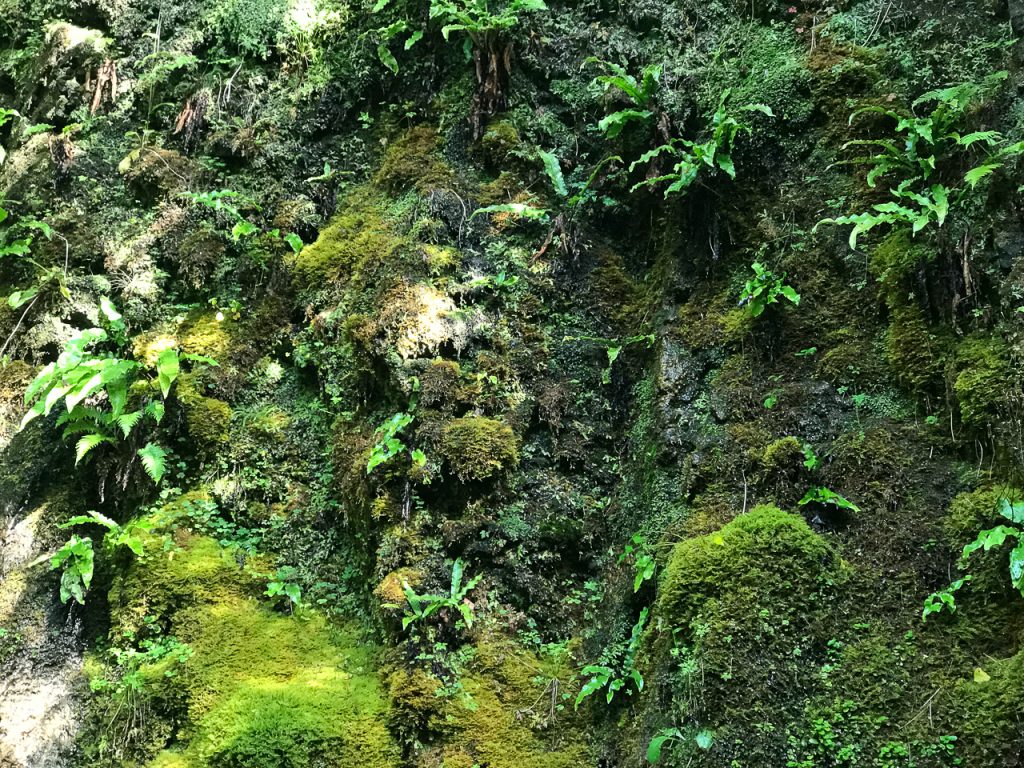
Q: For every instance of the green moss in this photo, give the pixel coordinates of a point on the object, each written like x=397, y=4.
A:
x=911, y=349
x=782, y=456
x=894, y=261
x=737, y=611
x=417, y=709
x=499, y=140
x=613, y=289
x=992, y=713
x=499, y=722
x=983, y=375
x=162, y=583
x=267, y=691
x=733, y=564
x=989, y=608
x=261, y=690
x=203, y=334
x=355, y=237
x=413, y=161
x=207, y=418
x=478, y=448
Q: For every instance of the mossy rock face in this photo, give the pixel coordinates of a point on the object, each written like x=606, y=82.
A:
x=911, y=349
x=982, y=380
x=989, y=599
x=354, y=239
x=413, y=161
x=260, y=689
x=895, y=260
x=499, y=140
x=162, y=584
x=207, y=417
x=737, y=611
x=478, y=448
x=203, y=334
x=993, y=711
x=266, y=691
x=498, y=722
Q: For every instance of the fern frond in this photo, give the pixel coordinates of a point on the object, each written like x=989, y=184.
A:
x=154, y=461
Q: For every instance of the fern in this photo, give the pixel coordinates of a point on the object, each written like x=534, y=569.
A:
x=87, y=443
x=554, y=171
x=920, y=149
x=154, y=461
x=691, y=157
x=94, y=385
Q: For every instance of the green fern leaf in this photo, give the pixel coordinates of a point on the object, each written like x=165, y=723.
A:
x=87, y=443
x=128, y=421
x=554, y=172
x=154, y=461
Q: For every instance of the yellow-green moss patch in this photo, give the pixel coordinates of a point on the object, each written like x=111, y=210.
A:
x=478, y=448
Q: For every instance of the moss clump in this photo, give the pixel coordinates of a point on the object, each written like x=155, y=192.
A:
x=731, y=565
x=992, y=713
x=417, y=709
x=413, y=161
x=989, y=601
x=260, y=690
x=499, y=140
x=203, y=334
x=161, y=584
x=440, y=383
x=267, y=692
x=613, y=289
x=391, y=588
x=498, y=723
x=357, y=235
x=207, y=418
x=983, y=375
x=738, y=610
x=478, y=448
x=894, y=261
x=911, y=350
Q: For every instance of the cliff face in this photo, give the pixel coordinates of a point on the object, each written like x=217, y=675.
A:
x=447, y=385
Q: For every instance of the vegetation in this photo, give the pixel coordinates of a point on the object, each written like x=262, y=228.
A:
x=511, y=384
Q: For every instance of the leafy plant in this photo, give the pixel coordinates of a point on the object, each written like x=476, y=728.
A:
x=690, y=157
x=991, y=538
x=822, y=495
x=77, y=561
x=617, y=668
x=76, y=557
x=117, y=535
x=703, y=739
x=764, y=289
x=644, y=564
x=388, y=444
x=94, y=386
x=944, y=599
x=282, y=585
x=922, y=148
x=640, y=93
x=614, y=348
x=421, y=607
x=131, y=670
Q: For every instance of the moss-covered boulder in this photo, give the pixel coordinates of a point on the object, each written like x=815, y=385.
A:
x=983, y=376
x=478, y=448
x=738, y=610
